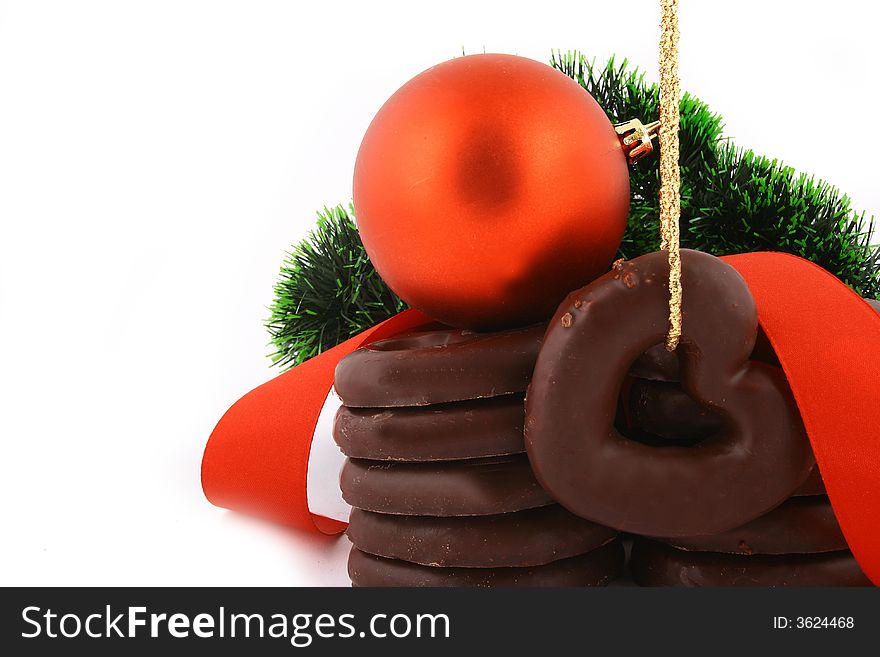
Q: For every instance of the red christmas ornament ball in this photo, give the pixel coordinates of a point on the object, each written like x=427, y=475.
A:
x=489, y=187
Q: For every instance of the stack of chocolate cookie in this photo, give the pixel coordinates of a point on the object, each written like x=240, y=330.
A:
x=437, y=475
x=798, y=543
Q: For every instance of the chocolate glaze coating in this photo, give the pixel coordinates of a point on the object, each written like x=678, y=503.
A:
x=801, y=525
x=478, y=487
x=595, y=568
x=655, y=564
x=443, y=432
x=435, y=367
x=739, y=473
x=525, y=538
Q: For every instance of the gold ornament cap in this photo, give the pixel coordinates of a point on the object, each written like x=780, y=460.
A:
x=637, y=138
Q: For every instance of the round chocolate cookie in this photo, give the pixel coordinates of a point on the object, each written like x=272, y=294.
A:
x=595, y=568
x=666, y=410
x=525, y=538
x=751, y=465
x=435, y=367
x=657, y=363
x=444, y=432
x=814, y=485
x=655, y=564
x=802, y=525
x=478, y=487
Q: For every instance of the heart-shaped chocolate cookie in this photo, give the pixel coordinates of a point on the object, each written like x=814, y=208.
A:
x=758, y=457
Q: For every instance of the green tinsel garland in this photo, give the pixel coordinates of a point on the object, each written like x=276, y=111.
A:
x=732, y=200
x=327, y=292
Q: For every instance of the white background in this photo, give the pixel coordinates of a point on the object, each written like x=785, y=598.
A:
x=157, y=159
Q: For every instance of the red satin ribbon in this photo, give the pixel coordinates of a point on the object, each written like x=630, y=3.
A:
x=257, y=457
x=827, y=339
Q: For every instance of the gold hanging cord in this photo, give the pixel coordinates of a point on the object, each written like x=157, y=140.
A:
x=670, y=174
